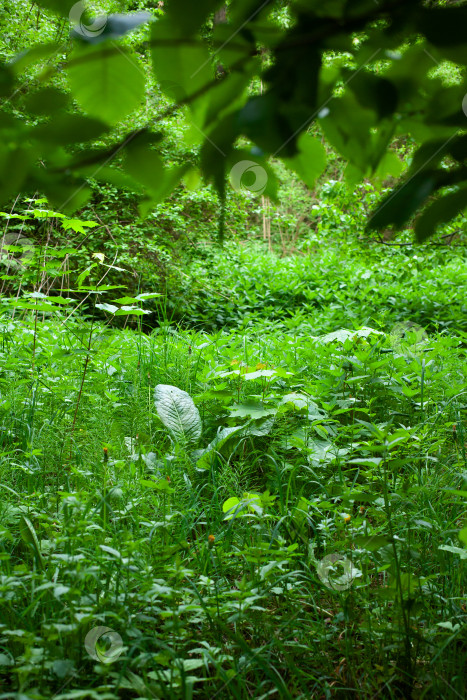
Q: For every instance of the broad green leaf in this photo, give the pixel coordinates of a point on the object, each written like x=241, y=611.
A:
x=131, y=311
x=440, y=212
x=230, y=503
x=390, y=165
x=178, y=413
x=68, y=129
x=107, y=307
x=47, y=101
x=254, y=410
x=310, y=161
x=107, y=82
x=185, y=64
x=371, y=542
x=462, y=553
x=190, y=16
x=397, y=208
x=33, y=55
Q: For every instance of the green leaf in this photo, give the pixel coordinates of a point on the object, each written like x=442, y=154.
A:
x=181, y=65
x=108, y=83
x=28, y=535
x=390, y=165
x=125, y=300
x=310, y=161
x=371, y=542
x=190, y=16
x=230, y=503
x=160, y=485
x=440, y=212
x=463, y=536
x=131, y=311
x=77, y=225
x=60, y=7
x=47, y=101
x=462, y=553
x=68, y=129
x=397, y=208
x=34, y=55
x=107, y=307
x=144, y=164
x=251, y=409
x=178, y=413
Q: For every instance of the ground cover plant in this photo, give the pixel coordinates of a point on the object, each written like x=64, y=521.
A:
x=275, y=510
x=233, y=470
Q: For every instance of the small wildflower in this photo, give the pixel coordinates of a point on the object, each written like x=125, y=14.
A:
x=106, y=454
x=168, y=478
x=211, y=539
x=361, y=510
x=234, y=362
x=261, y=365
x=347, y=519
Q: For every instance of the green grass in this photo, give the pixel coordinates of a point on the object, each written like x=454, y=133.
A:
x=211, y=569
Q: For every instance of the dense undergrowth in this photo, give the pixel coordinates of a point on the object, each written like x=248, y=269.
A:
x=305, y=535
x=310, y=542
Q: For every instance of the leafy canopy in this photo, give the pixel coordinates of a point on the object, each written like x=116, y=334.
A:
x=362, y=69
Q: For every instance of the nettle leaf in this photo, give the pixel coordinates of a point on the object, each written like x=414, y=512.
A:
x=107, y=82
x=177, y=411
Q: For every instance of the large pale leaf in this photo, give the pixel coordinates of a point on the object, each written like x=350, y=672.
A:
x=178, y=413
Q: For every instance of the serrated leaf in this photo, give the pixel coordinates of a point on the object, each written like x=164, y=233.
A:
x=177, y=411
